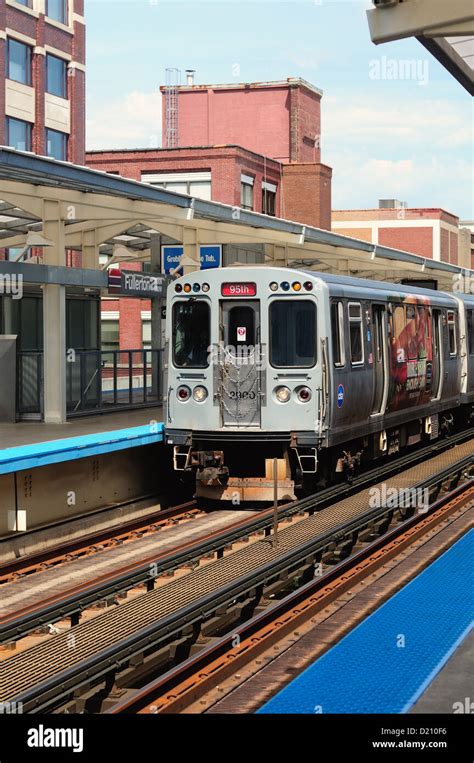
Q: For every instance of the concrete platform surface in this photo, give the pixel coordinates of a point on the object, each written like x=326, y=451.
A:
x=30, y=432
x=452, y=691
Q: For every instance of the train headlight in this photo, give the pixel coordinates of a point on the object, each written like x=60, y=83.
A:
x=273, y=286
x=200, y=394
x=187, y=288
x=178, y=288
x=205, y=287
x=296, y=286
x=304, y=394
x=285, y=286
x=282, y=394
x=196, y=287
x=183, y=393
x=308, y=286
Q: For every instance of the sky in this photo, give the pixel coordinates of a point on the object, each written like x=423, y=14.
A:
x=395, y=124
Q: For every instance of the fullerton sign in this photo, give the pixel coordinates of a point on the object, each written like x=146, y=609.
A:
x=129, y=283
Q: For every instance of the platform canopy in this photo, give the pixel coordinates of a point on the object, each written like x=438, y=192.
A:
x=444, y=27
x=50, y=207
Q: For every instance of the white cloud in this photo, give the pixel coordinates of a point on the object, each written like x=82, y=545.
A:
x=130, y=122
x=419, y=152
x=435, y=123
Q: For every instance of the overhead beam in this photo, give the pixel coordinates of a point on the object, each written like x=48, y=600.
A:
x=415, y=17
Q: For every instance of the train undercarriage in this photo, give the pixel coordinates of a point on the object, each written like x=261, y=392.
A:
x=249, y=470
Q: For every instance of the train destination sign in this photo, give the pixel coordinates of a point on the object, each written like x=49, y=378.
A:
x=239, y=289
x=129, y=283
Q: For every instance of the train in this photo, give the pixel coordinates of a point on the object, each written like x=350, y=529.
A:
x=281, y=381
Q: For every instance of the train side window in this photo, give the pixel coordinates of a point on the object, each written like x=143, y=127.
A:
x=452, y=332
x=356, y=333
x=470, y=329
x=337, y=329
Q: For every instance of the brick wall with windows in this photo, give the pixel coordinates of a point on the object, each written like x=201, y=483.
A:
x=42, y=77
x=225, y=164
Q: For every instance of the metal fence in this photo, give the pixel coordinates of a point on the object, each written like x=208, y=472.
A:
x=96, y=381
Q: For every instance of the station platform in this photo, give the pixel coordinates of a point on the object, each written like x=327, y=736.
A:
x=389, y=661
x=33, y=444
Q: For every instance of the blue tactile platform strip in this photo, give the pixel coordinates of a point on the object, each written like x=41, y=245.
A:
x=72, y=448
x=369, y=670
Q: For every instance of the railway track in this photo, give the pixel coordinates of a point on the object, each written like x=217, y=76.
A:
x=13, y=570
x=194, y=683
x=152, y=630
x=107, y=587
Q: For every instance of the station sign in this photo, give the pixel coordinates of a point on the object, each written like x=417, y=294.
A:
x=130, y=283
x=211, y=257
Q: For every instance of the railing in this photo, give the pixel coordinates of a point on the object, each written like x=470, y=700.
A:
x=30, y=385
x=96, y=381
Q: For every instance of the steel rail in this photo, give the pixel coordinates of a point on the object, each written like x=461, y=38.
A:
x=25, y=565
x=107, y=587
x=213, y=663
x=161, y=631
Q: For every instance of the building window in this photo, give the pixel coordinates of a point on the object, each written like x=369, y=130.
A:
x=197, y=184
x=26, y=3
x=246, y=193
x=56, y=145
x=110, y=334
x=56, y=76
x=18, y=62
x=57, y=10
x=18, y=134
x=269, y=199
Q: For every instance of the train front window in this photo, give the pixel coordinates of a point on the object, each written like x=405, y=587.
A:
x=191, y=334
x=293, y=334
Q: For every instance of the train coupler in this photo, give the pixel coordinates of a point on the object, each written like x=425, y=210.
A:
x=211, y=469
x=347, y=464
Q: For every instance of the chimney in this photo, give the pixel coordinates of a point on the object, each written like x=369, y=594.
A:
x=190, y=77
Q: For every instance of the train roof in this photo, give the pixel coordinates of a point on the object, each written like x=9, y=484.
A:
x=348, y=282
x=369, y=284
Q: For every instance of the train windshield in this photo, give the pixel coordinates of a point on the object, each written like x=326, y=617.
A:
x=191, y=334
x=293, y=333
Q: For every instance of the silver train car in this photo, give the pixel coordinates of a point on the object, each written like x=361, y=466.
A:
x=320, y=372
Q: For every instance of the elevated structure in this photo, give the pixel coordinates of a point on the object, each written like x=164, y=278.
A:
x=445, y=29
x=74, y=207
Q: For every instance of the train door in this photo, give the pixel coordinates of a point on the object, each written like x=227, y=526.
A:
x=379, y=358
x=438, y=359
x=239, y=372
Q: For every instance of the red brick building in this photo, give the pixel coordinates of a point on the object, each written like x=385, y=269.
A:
x=281, y=120
x=42, y=77
x=255, y=146
x=208, y=172
x=432, y=233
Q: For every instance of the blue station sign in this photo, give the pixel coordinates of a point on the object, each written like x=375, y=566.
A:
x=211, y=257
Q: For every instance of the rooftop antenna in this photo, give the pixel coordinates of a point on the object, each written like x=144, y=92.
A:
x=173, y=81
